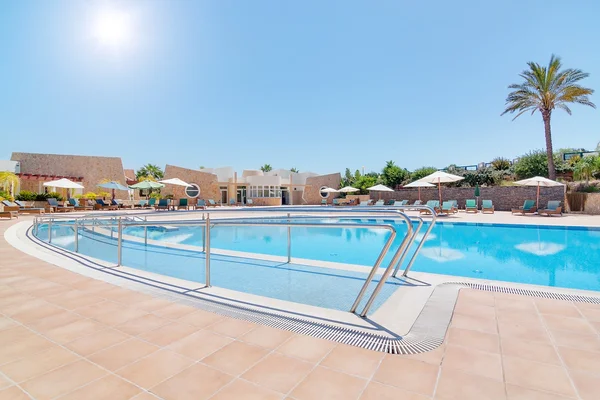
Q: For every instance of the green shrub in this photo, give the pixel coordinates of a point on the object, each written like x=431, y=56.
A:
x=25, y=195
x=6, y=196
x=155, y=195
x=590, y=189
x=421, y=173
x=90, y=196
x=500, y=164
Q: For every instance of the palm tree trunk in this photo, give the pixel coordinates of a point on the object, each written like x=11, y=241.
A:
x=549, y=151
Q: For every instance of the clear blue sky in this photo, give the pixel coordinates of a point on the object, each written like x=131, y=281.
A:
x=317, y=85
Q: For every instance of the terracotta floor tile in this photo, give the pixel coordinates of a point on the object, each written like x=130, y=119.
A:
x=97, y=341
x=6, y=323
x=324, y=383
x=595, y=325
x=152, y=304
x=475, y=310
x=110, y=387
x=474, y=323
x=74, y=330
x=74, y=299
x=232, y=327
x=13, y=393
x=122, y=354
x=167, y=334
x=125, y=296
x=200, y=318
x=520, y=303
x=200, y=344
x=473, y=361
x=477, y=296
x=37, y=364
x=142, y=324
x=42, y=311
x=236, y=357
x=377, y=391
x=478, y=340
x=586, y=384
x=432, y=357
x=14, y=334
x=557, y=307
x=174, y=311
x=412, y=375
x=23, y=348
x=592, y=314
x=307, y=348
x=155, y=368
x=583, y=341
x=580, y=359
x=240, y=389
x=541, y=352
x=537, y=376
x=62, y=380
x=532, y=332
x=145, y=396
x=197, y=382
x=557, y=322
x=459, y=385
x=4, y=383
x=112, y=314
x=12, y=304
x=266, y=336
x=61, y=319
x=353, y=360
x=520, y=393
x=278, y=372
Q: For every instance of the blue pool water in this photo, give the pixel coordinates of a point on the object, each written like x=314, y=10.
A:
x=549, y=256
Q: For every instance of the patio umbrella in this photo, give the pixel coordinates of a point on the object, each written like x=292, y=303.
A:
x=538, y=181
x=380, y=188
x=114, y=186
x=419, y=185
x=147, y=185
x=175, y=181
x=348, y=189
x=64, y=183
x=440, y=177
x=329, y=190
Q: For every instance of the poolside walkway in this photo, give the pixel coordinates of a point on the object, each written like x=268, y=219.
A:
x=66, y=336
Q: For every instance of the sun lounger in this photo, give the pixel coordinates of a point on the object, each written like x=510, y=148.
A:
x=435, y=204
x=141, y=204
x=102, y=205
x=528, y=207
x=323, y=202
x=53, y=203
x=249, y=202
x=454, y=206
x=201, y=204
x=364, y=203
x=379, y=203
x=77, y=205
x=553, y=208
x=9, y=214
x=447, y=207
x=471, y=205
x=117, y=203
x=152, y=203
x=15, y=206
x=487, y=206
x=211, y=203
x=232, y=202
x=163, y=204
x=183, y=204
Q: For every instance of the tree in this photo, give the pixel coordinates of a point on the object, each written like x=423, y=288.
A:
x=294, y=169
x=365, y=182
x=8, y=182
x=535, y=163
x=392, y=175
x=585, y=168
x=500, y=164
x=201, y=167
x=266, y=168
x=149, y=170
x=544, y=89
x=421, y=173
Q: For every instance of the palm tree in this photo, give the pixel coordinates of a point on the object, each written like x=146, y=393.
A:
x=544, y=89
x=149, y=170
x=294, y=169
x=8, y=182
x=585, y=168
x=266, y=168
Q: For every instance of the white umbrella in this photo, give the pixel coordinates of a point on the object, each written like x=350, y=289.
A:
x=380, y=188
x=64, y=183
x=440, y=177
x=175, y=181
x=348, y=189
x=329, y=190
x=419, y=185
x=538, y=181
x=541, y=248
x=442, y=254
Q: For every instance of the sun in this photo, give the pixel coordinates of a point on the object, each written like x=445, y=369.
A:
x=112, y=28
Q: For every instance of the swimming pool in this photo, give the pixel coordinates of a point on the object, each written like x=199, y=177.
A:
x=549, y=256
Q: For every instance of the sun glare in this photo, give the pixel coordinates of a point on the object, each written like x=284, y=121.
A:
x=112, y=28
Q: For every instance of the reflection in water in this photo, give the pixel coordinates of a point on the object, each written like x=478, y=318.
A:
x=178, y=238
x=441, y=254
x=541, y=248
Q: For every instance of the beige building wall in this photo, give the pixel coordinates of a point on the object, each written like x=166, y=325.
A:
x=312, y=194
x=92, y=169
x=208, y=184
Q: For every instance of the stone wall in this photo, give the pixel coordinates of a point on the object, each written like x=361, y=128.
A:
x=266, y=201
x=314, y=183
x=208, y=184
x=358, y=198
x=91, y=168
x=588, y=203
x=504, y=198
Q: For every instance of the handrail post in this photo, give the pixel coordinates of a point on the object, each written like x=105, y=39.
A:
x=207, y=251
x=119, y=242
x=50, y=231
x=418, y=249
x=204, y=239
x=145, y=232
x=76, y=237
x=289, y=241
x=408, y=246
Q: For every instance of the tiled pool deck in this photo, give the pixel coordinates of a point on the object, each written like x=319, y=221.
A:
x=63, y=335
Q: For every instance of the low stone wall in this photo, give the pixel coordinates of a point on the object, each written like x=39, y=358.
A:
x=358, y=198
x=266, y=201
x=209, y=187
x=587, y=203
x=312, y=193
x=504, y=198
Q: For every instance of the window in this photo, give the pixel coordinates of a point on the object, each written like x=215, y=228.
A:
x=192, y=191
x=264, y=191
x=323, y=194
